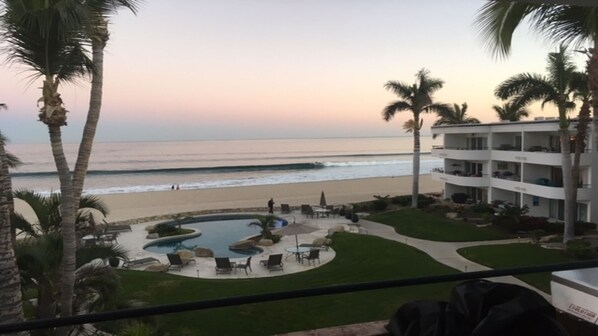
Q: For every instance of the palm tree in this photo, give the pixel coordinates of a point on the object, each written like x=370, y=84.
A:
x=47, y=212
x=97, y=32
x=455, y=115
x=416, y=98
x=39, y=254
x=556, y=89
x=510, y=111
x=46, y=36
x=565, y=24
x=11, y=308
x=265, y=223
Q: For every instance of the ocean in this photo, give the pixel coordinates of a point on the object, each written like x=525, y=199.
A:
x=125, y=167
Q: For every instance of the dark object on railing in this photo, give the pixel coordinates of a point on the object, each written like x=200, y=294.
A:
x=481, y=308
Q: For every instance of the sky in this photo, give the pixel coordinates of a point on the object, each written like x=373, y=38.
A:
x=254, y=69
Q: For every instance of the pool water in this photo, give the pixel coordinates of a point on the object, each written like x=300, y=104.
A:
x=216, y=235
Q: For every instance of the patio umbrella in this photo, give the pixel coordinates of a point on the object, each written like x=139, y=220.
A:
x=295, y=229
x=323, y=200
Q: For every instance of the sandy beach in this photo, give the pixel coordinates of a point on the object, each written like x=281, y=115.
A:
x=148, y=204
x=138, y=205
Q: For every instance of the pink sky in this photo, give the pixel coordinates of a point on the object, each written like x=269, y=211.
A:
x=275, y=68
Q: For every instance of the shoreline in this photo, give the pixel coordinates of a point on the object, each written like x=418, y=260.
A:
x=130, y=206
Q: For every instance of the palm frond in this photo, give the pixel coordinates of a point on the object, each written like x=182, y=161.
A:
x=401, y=89
x=397, y=106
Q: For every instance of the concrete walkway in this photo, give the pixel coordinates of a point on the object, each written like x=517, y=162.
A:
x=446, y=252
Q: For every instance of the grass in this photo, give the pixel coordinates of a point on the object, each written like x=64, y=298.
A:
x=420, y=224
x=517, y=255
x=359, y=258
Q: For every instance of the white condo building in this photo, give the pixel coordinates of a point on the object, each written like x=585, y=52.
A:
x=516, y=162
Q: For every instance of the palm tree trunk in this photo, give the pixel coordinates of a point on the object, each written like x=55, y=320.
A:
x=416, y=154
x=11, y=307
x=580, y=145
x=68, y=223
x=569, y=232
x=93, y=114
x=593, y=86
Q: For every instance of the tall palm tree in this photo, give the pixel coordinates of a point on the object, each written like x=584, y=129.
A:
x=568, y=24
x=556, y=88
x=97, y=32
x=455, y=115
x=11, y=308
x=510, y=111
x=46, y=36
x=417, y=99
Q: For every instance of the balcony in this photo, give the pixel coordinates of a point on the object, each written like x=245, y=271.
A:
x=461, y=153
x=540, y=158
x=531, y=187
x=466, y=181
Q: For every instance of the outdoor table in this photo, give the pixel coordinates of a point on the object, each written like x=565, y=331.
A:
x=297, y=251
x=321, y=212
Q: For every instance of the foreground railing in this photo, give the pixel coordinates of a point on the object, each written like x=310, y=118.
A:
x=278, y=296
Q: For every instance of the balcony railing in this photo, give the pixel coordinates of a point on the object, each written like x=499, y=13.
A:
x=278, y=296
x=459, y=148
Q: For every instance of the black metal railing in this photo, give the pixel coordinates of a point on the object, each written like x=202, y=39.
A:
x=278, y=296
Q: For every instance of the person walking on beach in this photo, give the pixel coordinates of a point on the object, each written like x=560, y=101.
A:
x=271, y=205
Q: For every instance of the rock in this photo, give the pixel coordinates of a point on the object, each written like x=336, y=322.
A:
x=265, y=242
x=149, y=228
x=452, y=215
x=242, y=245
x=157, y=268
x=203, y=252
x=338, y=228
x=153, y=236
x=185, y=254
x=320, y=241
x=547, y=239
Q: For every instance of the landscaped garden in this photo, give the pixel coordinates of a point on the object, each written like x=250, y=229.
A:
x=360, y=258
x=422, y=224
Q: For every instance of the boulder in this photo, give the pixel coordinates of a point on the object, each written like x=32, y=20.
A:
x=153, y=236
x=242, y=245
x=265, y=242
x=149, y=228
x=203, y=252
x=338, y=228
x=157, y=268
x=185, y=254
x=550, y=238
x=452, y=215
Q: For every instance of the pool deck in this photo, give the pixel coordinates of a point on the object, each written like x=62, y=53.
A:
x=134, y=241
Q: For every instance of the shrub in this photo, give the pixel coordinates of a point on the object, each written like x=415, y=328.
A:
x=164, y=229
x=354, y=218
x=342, y=211
x=423, y=201
x=459, y=198
x=348, y=215
x=582, y=227
x=580, y=249
x=274, y=237
x=380, y=204
x=482, y=208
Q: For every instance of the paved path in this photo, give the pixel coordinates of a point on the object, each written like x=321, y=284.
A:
x=446, y=252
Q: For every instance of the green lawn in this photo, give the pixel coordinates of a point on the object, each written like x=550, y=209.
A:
x=419, y=224
x=517, y=255
x=360, y=258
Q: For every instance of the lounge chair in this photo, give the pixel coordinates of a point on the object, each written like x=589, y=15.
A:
x=141, y=261
x=304, y=208
x=314, y=254
x=176, y=261
x=285, y=208
x=309, y=212
x=109, y=238
x=245, y=265
x=223, y=266
x=315, y=246
x=117, y=228
x=273, y=263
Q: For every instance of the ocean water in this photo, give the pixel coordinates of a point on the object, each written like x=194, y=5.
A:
x=150, y=166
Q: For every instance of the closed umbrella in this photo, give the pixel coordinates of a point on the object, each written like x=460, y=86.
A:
x=322, y=200
x=295, y=229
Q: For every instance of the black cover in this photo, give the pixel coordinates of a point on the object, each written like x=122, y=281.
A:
x=479, y=308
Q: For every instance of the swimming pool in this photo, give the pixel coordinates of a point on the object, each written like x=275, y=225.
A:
x=216, y=234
